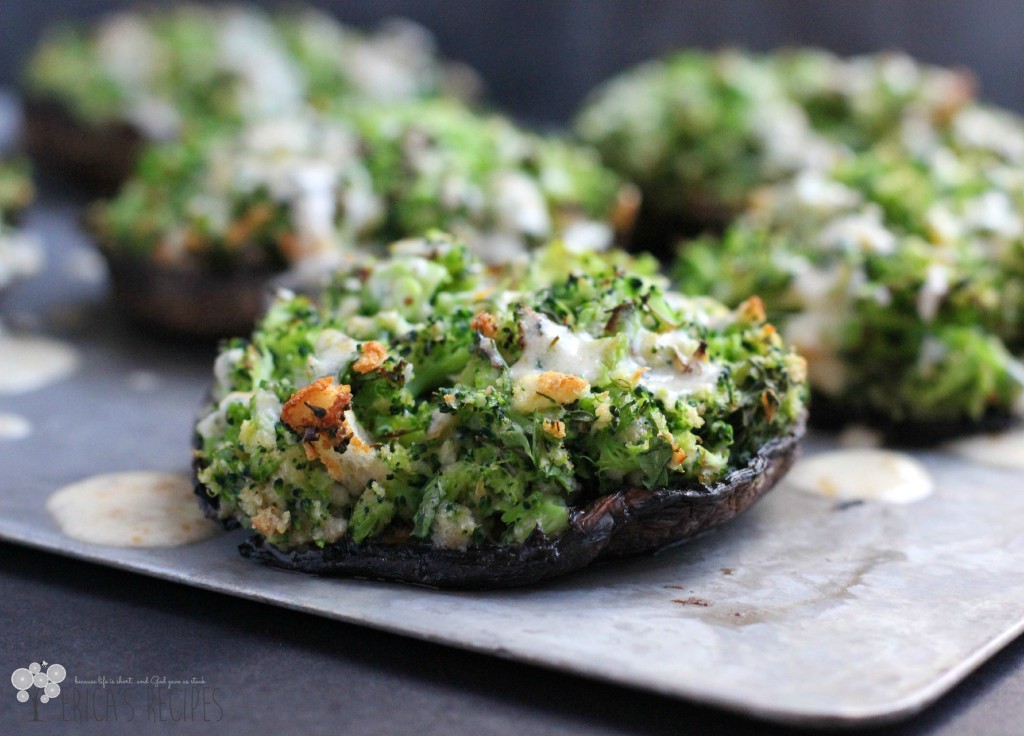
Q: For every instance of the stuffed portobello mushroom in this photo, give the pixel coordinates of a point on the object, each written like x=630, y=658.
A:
x=95, y=95
x=432, y=422
x=699, y=131
x=897, y=272
x=20, y=254
x=217, y=214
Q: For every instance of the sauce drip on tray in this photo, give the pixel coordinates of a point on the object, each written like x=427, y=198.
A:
x=866, y=474
x=139, y=509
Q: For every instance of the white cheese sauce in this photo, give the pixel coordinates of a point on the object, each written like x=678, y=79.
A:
x=314, y=205
x=650, y=363
x=987, y=130
x=249, y=47
x=865, y=474
x=862, y=231
x=305, y=163
x=14, y=427
x=669, y=384
x=519, y=204
x=553, y=347
x=813, y=331
x=584, y=236
x=393, y=64
x=934, y=289
x=668, y=369
x=135, y=509
x=813, y=191
x=1001, y=450
x=994, y=212
x=29, y=363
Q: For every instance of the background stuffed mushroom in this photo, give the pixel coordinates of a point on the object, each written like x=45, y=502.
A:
x=897, y=273
x=699, y=131
x=872, y=203
x=96, y=95
x=299, y=191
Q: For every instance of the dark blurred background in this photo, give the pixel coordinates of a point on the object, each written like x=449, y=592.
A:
x=540, y=57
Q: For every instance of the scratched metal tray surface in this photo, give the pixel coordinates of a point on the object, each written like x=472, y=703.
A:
x=803, y=610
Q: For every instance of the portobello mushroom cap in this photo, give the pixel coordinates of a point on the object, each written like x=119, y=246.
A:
x=831, y=416
x=100, y=157
x=632, y=521
x=658, y=232
x=188, y=302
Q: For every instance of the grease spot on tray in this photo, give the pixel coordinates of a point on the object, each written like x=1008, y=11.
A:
x=135, y=509
x=863, y=474
x=1001, y=450
x=14, y=427
x=143, y=382
x=29, y=363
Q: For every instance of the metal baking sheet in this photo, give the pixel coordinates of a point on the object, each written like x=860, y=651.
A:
x=803, y=610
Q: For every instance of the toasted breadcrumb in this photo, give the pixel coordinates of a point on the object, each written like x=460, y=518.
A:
x=485, y=323
x=678, y=454
x=271, y=521
x=603, y=412
x=555, y=428
x=752, y=310
x=372, y=354
x=320, y=406
x=538, y=390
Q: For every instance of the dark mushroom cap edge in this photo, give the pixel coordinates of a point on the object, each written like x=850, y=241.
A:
x=630, y=522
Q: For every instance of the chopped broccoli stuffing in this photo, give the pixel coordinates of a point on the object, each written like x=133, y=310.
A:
x=488, y=406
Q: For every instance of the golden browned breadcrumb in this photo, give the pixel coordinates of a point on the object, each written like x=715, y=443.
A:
x=372, y=354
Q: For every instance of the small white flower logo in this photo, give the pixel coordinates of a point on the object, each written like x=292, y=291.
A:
x=33, y=676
